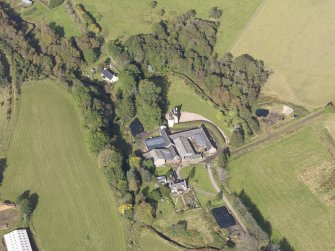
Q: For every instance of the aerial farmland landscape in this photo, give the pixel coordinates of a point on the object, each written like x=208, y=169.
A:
x=167, y=125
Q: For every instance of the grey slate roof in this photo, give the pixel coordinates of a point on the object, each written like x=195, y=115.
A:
x=184, y=147
x=156, y=142
x=166, y=137
x=107, y=74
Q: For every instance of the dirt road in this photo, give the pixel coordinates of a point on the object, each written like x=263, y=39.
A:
x=225, y=200
x=293, y=126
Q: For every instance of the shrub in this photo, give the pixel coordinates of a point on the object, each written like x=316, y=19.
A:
x=153, y=4
x=329, y=108
x=90, y=56
x=215, y=12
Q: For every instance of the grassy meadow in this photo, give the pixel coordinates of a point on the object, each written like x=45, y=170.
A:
x=41, y=13
x=127, y=17
x=120, y=19
x=48, y=156
x=286, y=180
x=181, y=94
x=151, y=242
x=295, y=39
x=200, y=179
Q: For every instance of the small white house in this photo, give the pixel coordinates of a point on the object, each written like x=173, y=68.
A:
x=17, y=240
x=108, y=76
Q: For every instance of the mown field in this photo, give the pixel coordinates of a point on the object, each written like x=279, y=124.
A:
x=294, y=38
x=292, y=184
x=48, y=156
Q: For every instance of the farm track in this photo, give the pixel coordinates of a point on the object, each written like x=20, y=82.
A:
x=278, y=133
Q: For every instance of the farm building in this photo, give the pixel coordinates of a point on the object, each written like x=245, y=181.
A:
x=136, y=127
x=223, y=217
x=287, y=110
x=178, y=187
x=162, y=180
x=108, y=76
x=17, y=241
x=173, y=117
x=186, y=146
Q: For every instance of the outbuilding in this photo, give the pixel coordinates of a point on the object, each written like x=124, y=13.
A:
x=17, y=240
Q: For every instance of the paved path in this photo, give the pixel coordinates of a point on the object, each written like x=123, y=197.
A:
x=226, y=201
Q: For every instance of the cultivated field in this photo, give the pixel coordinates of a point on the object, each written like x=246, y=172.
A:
x=48, y=156
x=292, y=184
x=294, y=38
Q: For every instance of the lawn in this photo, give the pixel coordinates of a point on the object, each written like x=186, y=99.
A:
x=151, y=242
x=200, y=179
x=128, y=17
x=286, y=181
x=181, y=94
x=48, y=156
x=295, y=39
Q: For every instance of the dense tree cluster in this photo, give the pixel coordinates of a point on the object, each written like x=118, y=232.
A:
x=89, y=44
x=92, y=109
x=138, y=96
x=4, y=69
x=185, y=46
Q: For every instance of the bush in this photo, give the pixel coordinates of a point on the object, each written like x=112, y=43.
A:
x=215, y=12
x=329, y=108
x=153, y=4
x=91, y=56
x=55, y=3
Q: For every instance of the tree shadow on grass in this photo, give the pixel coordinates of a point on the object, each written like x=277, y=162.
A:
x=256, y=213
x=285, y=245
x=3, y=165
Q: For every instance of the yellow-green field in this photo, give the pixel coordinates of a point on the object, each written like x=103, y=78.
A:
x=48, y=156
x=287, y=181
x=295, y=39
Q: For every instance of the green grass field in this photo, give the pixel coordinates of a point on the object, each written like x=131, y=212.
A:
x=283, y=179
x=295, y=39
x=57, y=15
x=181, y=94
x=151, y=242
x=200, y=179
x=125, y=18
x=48, y=156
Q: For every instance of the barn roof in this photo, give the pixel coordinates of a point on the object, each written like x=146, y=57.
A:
x=156, y=142
x=136, y=127
x=107, y=74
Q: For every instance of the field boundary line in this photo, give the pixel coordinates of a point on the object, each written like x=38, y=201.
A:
x=247, y=25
